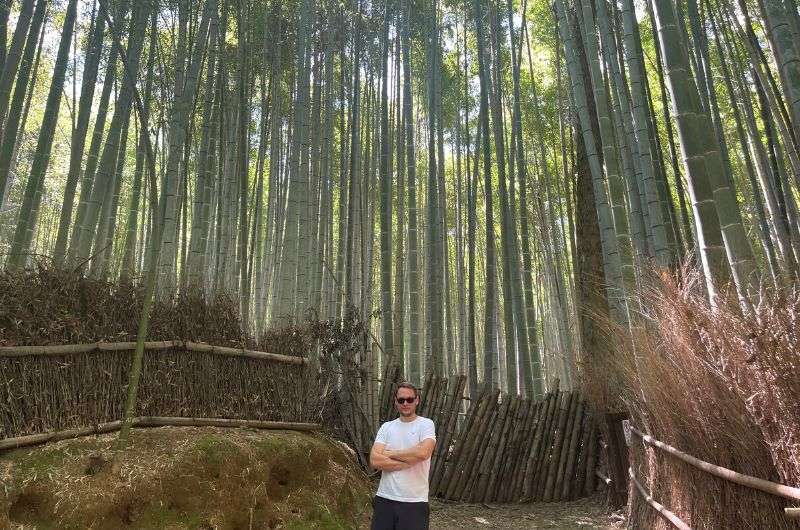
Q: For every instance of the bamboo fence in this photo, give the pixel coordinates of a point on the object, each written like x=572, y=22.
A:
x=515, y=449
x=46, y=389
x=497, y=448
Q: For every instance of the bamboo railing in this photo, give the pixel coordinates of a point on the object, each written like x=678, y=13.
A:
x=70, y=349
x=773, y=488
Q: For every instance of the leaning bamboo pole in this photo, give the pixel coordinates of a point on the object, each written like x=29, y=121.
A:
x=152, y=421
x=473, y=445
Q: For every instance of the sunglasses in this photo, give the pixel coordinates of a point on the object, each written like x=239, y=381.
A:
x=406, y=400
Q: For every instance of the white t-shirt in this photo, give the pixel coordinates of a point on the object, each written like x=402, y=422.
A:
x=405, y=485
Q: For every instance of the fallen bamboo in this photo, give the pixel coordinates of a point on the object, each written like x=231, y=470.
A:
x=151, y=421
x=780, y=490
x=665, y=513
x=74, y=349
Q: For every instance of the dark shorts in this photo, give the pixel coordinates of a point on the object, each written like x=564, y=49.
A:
x=396, y=515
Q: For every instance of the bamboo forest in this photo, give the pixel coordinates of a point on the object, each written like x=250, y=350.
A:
x=234, y=232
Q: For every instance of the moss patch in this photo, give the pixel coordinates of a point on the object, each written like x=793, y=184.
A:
x=186, y=478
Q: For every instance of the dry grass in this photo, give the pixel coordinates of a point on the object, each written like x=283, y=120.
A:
x=721, y=386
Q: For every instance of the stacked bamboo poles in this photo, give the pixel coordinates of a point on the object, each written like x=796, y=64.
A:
x=513, y=449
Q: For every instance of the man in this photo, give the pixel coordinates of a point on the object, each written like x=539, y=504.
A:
x=402, y=451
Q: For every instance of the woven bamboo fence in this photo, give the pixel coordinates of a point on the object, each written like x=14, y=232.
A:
x=45, y=389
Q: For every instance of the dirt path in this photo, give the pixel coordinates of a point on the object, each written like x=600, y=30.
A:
x=584, y=513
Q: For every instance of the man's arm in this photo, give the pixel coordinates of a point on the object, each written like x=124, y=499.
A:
x=419, y=453
x=379, y=460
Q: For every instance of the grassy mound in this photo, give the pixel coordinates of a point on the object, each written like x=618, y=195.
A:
x=185, y=478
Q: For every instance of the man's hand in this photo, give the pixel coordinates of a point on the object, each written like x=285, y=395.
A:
x=419, y=453
x=379, y=460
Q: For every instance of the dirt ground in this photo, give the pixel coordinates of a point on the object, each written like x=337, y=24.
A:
x=584, y=513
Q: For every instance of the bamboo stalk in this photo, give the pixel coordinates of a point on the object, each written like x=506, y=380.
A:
x=666, y=514
x=773, y=488
x=151, y=421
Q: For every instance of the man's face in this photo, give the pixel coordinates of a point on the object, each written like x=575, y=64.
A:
x=401, y=401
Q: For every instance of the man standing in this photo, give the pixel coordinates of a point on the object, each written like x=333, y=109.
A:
x=402, y=451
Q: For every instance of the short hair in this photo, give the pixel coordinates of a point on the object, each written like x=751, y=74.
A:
x=407, y=385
